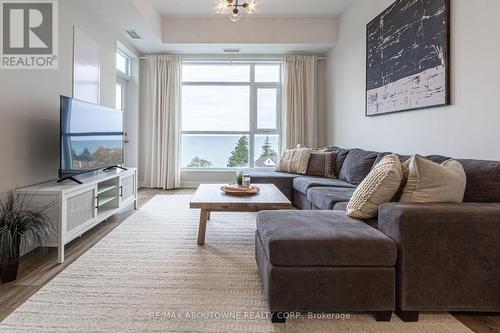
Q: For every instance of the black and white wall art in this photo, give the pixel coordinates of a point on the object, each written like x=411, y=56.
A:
x=407, y=57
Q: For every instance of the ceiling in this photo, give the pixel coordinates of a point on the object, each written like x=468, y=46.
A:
x=275, y=8
x=128, y=17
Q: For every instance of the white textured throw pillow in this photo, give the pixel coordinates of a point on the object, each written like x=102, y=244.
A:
x=433, y=182
x=378, y=187
x=294, y=161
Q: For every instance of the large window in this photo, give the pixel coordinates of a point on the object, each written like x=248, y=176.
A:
x=231, y=115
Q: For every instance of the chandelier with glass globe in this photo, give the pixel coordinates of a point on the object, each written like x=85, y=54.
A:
x=234, y=8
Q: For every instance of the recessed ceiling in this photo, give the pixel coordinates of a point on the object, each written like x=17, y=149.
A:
x=245, y=49
x=275, y=8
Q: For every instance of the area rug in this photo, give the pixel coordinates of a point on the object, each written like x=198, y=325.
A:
x=148, y=275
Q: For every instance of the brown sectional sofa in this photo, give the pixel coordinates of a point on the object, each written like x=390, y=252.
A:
x=412, y=258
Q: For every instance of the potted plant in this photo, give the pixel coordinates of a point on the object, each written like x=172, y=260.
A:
x=239, y=178
x=20, y=222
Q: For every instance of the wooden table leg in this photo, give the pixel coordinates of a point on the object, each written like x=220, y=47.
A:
x=202, y=226
x=209, y=214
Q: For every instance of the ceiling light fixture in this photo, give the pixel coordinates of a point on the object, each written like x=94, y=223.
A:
x=234, y=9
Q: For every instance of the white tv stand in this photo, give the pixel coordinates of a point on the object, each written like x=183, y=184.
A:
x=77, y=208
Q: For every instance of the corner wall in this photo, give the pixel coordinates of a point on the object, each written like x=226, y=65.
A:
x=469, y=128
x=29, y=101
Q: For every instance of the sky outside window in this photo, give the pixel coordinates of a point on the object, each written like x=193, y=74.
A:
x=229, y=112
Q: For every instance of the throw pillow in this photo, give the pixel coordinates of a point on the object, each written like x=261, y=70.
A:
x=432, y=182
x=322, y=163
x=294, y=161
x=405, y=164
x=357, y=165
x=378, y=187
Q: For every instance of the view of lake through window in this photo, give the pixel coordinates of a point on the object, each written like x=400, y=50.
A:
x=231, y=115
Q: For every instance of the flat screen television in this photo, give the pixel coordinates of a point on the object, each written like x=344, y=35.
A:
x=91, y=137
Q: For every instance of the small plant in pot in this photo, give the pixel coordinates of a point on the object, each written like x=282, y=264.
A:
x=20, y=223
x=239, y=178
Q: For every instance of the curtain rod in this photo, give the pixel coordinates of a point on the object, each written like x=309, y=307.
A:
x=190, y=58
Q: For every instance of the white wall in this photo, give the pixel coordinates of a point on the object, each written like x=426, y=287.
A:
x=266, y=30
x=148, y=11
x=29, y=101
x=469, y=128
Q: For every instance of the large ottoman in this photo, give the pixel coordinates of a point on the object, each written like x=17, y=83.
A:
x=324, y=261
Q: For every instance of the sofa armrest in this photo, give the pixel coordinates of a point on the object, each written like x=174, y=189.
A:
x=448, y=255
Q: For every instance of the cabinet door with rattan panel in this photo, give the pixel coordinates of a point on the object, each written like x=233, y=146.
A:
x=80, y=210
x=127, y=187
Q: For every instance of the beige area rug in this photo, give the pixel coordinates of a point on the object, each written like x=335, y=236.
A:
x=148, y=275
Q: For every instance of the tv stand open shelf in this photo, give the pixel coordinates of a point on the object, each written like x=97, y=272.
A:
x=104, y=189
x=76, y=208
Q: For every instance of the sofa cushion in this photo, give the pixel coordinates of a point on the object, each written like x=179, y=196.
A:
x=340, y=158
x=437, y=158
x=300, y=201
x=357, y=165
x=294, y=160
x=380, y=156
x=322, y=238
x=483, y=180
x=322, y=163
x=282, y=180
x=433, y=182
x=379, y=187
x=325, y=197
x=303, y=183
x=340, y=206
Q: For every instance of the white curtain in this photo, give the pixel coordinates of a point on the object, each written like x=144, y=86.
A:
x=300, y=100
x=160, y=122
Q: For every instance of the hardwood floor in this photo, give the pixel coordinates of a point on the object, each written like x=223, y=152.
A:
x=39, y=268
x=480, y=322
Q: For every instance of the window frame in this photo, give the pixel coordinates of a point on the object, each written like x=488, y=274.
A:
x=123, y=87
x=126, y=75
x=253, y=111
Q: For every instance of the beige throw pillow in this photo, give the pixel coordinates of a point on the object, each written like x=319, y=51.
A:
x=433, y=182
x=294, y=161
x=378, y=187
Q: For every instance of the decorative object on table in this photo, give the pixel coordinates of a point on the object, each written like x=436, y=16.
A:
x=238, y=190
x=407, y=57
x=234, y=8
x=239, y=178
x=246, y=180
x=20, y=223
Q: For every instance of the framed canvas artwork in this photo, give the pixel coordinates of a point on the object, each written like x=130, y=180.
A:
x=407, y=57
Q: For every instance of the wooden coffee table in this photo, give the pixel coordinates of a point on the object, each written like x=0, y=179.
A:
x=209, y=198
